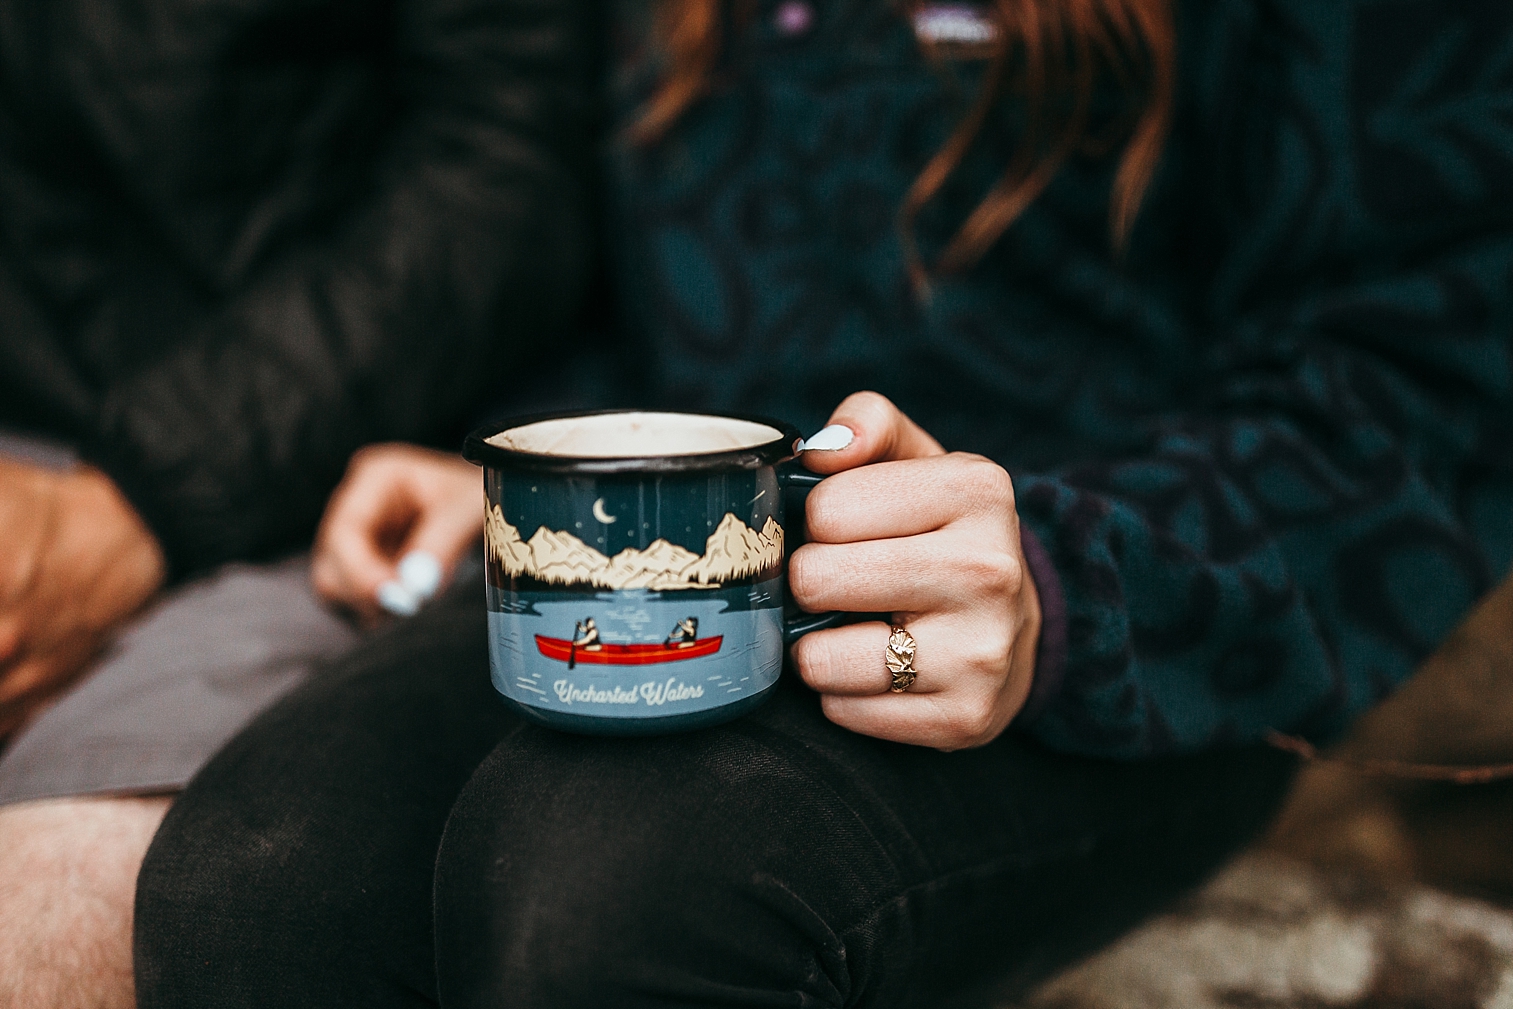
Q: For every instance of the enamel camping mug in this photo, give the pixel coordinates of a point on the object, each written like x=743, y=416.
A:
x=635, y=566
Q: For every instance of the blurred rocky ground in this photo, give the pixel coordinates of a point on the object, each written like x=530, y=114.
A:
x=1370, y=892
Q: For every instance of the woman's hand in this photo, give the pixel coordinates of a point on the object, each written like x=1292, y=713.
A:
x=395, y=501
x=933, y=538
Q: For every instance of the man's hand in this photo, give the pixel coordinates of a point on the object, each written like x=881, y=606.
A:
x=904, y=528
x=394, y=501
x=75, y=561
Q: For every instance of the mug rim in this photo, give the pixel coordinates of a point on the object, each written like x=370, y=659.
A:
x=476, y=448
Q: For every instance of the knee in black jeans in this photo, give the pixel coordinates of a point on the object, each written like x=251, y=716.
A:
x=775, y=860
x=713, y=869
x=782, y=860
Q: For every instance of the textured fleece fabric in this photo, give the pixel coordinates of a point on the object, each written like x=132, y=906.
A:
x=1267, y=449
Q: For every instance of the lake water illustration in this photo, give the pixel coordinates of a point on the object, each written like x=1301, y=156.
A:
x=631, y=671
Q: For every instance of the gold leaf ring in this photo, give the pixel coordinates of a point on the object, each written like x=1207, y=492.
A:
x=900, y=660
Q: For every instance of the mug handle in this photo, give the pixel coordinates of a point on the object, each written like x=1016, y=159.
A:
x=795, y=484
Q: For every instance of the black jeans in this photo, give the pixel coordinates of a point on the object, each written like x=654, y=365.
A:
x=391, y=836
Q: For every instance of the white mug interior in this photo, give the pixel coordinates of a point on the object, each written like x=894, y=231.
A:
x=635, y=435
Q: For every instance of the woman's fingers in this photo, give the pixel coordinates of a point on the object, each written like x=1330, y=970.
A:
x=879, y=432
x=902, y=528
x=351, y=560
x=906, y=497
x=950, y=569
x=953, y=654
x=369, y=515
x=396, y=502
x=973, y=664
x=943, y=720
x=957, y=698
x=845, y=660
x=450, y=516
x=960, y=696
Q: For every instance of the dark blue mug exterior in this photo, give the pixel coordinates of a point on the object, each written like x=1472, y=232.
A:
x=634, y=596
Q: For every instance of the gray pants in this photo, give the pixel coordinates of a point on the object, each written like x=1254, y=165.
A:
x=177, y=683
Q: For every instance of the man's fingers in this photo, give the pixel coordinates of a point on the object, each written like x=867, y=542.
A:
x=11, y=637
x=25, y=678
x=905, y=498
x=26, y=685
x=37, y=676
x=29, y=518
x=12, y=718
x=879, y=432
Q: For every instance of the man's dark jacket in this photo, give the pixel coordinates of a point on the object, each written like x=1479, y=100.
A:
x=240, y=238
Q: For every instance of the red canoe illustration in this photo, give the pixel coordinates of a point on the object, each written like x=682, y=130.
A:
x=627, y=655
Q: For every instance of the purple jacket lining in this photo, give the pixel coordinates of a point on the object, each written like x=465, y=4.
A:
x=1050, y=654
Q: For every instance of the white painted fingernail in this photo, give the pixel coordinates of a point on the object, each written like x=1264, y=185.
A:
x=830, y=439
x=420, y=573
x=398, y=600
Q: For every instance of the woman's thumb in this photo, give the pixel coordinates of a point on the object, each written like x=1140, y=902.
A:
x=866, y=428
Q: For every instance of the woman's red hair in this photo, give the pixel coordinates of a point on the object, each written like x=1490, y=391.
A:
x=1052, y=52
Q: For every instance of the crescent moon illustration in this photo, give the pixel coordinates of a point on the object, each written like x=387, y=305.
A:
x=601, y=514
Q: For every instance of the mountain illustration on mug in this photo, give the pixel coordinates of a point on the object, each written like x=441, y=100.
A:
x=734, y=552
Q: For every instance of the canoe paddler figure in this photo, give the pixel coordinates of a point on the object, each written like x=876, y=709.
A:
x=684, y=633
x=586, y=637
